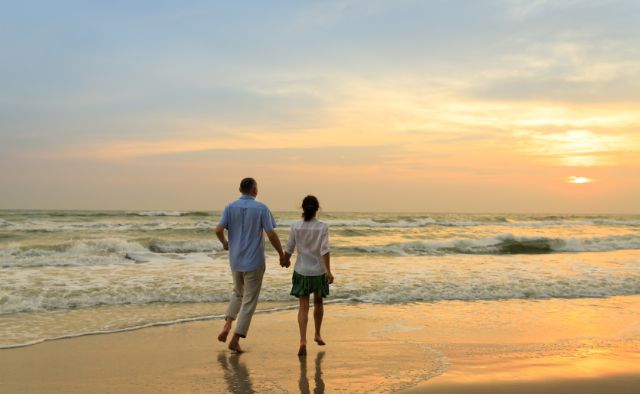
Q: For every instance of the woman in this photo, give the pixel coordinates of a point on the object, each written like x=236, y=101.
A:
x=312, y=272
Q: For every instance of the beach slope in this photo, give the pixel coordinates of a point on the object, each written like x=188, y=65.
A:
x=586, y=345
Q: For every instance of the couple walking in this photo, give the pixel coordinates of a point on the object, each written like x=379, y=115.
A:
x=245, y=221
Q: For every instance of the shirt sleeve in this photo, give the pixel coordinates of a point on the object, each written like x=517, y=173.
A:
x=324, y=241
x=268, y=222
x=224, y=219
x=291, y=242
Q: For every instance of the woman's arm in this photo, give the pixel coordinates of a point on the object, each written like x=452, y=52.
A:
x=286, y=260
x=326, y=258
x=324, y=251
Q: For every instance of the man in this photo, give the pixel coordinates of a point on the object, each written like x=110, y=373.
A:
x=245, y=220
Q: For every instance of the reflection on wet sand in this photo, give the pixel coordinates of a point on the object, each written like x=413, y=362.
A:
x=304, y=382
x=236, y=373
x=237, y=379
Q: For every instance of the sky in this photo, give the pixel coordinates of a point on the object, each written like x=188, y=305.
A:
x=371, y=105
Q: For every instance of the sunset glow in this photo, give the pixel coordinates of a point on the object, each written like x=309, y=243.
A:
x=315, y=97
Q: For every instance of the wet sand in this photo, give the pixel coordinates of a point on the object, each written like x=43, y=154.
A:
x=586, y=345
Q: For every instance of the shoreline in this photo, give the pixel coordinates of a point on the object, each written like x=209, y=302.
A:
x=274, y=307
x=446, y=347
x=181, y=320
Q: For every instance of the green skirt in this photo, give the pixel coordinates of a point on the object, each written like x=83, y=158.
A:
x=305, y=285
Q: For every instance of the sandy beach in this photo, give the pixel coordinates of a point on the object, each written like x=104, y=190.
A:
x=591, y=345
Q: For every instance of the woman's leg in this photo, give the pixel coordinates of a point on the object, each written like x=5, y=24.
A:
x=303, y=318
x=318, y=313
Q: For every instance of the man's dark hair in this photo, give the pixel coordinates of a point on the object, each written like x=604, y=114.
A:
x=247, y=184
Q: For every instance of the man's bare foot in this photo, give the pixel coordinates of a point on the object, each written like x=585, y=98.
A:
x=303, y=350
x=319, y=341
x=222, y=337
x=234, y=344
x=235, y=347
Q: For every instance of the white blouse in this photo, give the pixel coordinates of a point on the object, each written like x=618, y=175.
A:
x=312, y=240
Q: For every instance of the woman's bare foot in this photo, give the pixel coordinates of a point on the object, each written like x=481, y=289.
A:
x=303, y=350
x=319, y=340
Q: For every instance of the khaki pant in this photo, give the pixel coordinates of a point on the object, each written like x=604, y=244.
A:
x=244, y=300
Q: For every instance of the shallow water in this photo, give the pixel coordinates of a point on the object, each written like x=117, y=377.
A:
x=67, y=273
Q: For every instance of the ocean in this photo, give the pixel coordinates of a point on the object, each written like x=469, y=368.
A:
x=72, y=273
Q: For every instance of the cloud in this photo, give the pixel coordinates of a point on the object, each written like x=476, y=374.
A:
x=317, y=156
x=568, y=67
x=330, y=12
x=576, y=147
x=522, y=9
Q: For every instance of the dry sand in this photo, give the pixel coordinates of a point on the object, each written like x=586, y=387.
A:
x=588, y=346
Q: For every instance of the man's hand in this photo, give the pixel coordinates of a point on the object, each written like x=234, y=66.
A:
x=329, y=277
x=221, y=238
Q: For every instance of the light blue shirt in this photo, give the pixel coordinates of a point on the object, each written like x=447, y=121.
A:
x=246, y=221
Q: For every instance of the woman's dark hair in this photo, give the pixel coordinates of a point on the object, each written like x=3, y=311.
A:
x=310, y=206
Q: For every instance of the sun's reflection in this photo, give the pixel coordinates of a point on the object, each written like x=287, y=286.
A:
x=303, y=383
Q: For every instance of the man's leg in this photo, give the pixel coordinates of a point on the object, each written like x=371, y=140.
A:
x=252, y=287
x=234, y=305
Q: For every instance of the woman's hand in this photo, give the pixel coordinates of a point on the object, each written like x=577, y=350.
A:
x=329, y=277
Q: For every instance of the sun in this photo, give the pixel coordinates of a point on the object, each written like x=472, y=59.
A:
x=579, y=180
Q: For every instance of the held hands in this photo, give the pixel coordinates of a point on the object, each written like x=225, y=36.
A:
x=285, y=261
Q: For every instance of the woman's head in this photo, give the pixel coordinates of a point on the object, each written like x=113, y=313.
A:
x=310, y=206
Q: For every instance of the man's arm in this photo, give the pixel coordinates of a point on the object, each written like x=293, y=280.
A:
x=275, y=241
x=220, y=235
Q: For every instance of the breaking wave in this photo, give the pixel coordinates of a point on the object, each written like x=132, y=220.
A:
x=425, y=280
x=100, y=252
x=418, y=222
x=170, y=213
x=502, y=244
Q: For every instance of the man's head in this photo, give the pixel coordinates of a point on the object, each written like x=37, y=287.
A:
x=249, y=186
